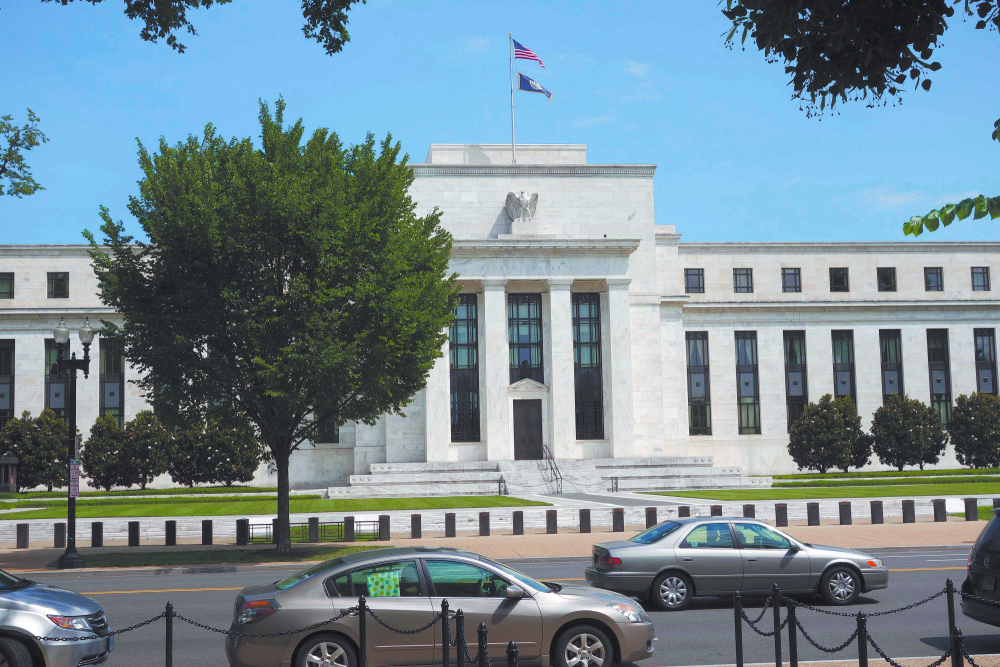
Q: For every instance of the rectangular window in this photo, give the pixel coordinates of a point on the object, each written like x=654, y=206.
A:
x=587, y=366
x=56, y=387
x=843, y=364
x=791, y=280
x=796, y=388
x=886, y=279
x=747, y=393
x=699, y=396
x=463, y=355
x=986, y=360
x=840, y=280
x=743, y=280
x=328, y=431
x=58, y=285
x=6, y=285
x=940, y=372
x=933, y=279
x=980, y=279
x=891, y=346
x=694, y=281
x=6, y=382
x=113, y=379
x=524, y=327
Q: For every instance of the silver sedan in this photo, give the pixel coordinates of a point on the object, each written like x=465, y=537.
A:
x=675, y=561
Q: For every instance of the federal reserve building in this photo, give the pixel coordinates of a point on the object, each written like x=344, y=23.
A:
x=592, y=348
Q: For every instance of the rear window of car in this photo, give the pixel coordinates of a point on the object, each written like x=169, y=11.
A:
x=655, y=534
x=313, y=571
x=990, y=537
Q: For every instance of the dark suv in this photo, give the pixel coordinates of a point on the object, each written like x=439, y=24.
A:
x=984, y=572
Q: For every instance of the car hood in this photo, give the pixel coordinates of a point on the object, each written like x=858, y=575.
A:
x=839, y=551
x=578, y=591
x=57, y=600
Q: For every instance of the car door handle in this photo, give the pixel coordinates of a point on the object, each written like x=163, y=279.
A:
x=751, y=560
x=688, y=558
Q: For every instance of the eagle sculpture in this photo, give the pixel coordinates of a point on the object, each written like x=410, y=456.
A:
x=521, y=208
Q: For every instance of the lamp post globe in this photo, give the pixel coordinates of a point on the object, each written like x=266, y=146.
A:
x=61, y=333
x=86, y=333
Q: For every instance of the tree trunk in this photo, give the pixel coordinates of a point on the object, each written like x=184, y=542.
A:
x=284, y=541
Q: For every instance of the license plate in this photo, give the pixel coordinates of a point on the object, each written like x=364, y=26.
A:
x=987, y=582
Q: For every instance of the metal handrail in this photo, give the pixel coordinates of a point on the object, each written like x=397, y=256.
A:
x=553, y=469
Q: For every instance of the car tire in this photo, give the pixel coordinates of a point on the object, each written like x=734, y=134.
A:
x=14, y=652
x=840, y=586
x=583, y=646
x=671, y=591
x=326, y=646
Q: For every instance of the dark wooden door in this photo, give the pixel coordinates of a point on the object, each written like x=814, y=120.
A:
x=528, y=430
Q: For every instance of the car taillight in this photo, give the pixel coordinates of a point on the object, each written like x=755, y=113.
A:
x=254, y=610
x=609, y=560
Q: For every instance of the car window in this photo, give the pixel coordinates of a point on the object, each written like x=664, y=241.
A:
x=655, y=534
x=340, y=586
x=385, y=580
x=709, y=536
x=313, y=571
x=452, y=579
x=756, y=536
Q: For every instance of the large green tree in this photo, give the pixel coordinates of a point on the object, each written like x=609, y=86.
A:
x=15, y=141
x=974, y=428
x=907, y=433
x=326, y=20
x=868, y=51
x=41, y=445
x=289, y=281
x=819, y=439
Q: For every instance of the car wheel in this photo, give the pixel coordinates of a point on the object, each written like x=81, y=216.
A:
x=672, y=591
x=326, y=650
x=584, y=646
x=14, y=653
x=840, y=586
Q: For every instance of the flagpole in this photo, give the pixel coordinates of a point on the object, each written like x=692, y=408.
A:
x=513, y=154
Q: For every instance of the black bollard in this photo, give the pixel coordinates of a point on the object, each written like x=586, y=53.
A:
x=97, y=534
x=242, y=532
x=169, y=657
x=170, y=533
x=274, y=530
x=416, y=529
x=618, y=520
x=517, y=521
x=950, y=589
x=812, y=514
x=362, y=626
x=206, y=531
x=22, y=536
x=845, y=513
x=862, y=640
x=59, y=536
x=738, y=618
x=460, y=646
x=445, y=635
x=996, y=503
x=449, y=524
x=585, y=521
x=781, y=515
x=909, y=514
x=793, y=640
x=133, y=533
x=384, y=534
x=776, y=605
x=651, y=517
x=716, y=510
x=481, y=658
x=551, y=527
x=957, y=657
x=940, y=513
x=749, y=512
x=684, y=511
x=484, y=524
x=314, y=529
x=877, y=516
x=511, y=654
x=972, y=509
x=348, y=528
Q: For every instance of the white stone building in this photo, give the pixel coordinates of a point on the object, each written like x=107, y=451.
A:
x=696, y=350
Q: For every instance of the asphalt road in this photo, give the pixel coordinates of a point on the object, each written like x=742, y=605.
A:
x=701, y=635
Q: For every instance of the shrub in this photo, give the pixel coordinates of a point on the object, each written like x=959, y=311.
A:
x=102, y=454
x=41, y=446
x=224, y=449
x=859, y=442
x=819, y=439
x=907, y=432
x=975, y=430
x=145, y=450
x=188, y=462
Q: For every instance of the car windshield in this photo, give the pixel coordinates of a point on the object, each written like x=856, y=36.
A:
x=523, y=578
x=315, y=570
x=655, y=534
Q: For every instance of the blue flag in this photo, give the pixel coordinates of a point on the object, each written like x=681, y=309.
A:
x=529, y=85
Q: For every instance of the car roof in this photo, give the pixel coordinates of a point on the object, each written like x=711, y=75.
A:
x=403, y=551
x=711, y=519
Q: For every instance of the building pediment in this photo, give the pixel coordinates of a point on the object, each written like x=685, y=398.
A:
x=525, y=386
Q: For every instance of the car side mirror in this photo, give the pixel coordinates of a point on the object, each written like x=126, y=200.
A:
x=793, y=547
x=515, y=592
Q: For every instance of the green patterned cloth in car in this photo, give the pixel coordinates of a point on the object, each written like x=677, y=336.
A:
x=383, y=584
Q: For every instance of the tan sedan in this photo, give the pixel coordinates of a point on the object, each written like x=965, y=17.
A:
x=553, y=624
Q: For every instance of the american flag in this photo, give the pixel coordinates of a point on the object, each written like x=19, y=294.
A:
x=525, y=53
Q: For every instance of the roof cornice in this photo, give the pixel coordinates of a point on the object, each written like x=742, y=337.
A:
x=543, y=247
x=64, y=250
x=865, y=247
x=423, y=170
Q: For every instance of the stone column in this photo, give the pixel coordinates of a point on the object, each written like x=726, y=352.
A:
x=438, y=407
x=561, y=374
x=494, y=375
x=619, y=357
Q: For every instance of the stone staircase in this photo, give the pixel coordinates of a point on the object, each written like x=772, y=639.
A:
x=476, y=478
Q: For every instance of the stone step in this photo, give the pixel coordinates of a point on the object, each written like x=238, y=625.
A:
x=668, y=473
x=657, y=462
x=385, y=479
x=439, y=466
x=413, y=490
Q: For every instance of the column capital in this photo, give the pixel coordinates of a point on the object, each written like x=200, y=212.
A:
x=494, y=283
x=617, y=283
x=556, y=284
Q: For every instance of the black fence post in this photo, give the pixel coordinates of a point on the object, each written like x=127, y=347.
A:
x=972, y=509
x=862, y=640
x=749, y=512
x=384, y=534
x=362, y=631
x=957, y=659
x=776, y=605
x=781, y=515
x=551, y=525
x=481, y=658
x=97, y=534
x=909, y=514
x=812, y=514
x=618, y=520
x=449, y=524
x=940, y=513
x=242, y=532
x=59, y=536
x=170, y=533
x=949, y=587
x=511, y=654
x=445, y=639
x=22, y=536
x=349, y=533
x=845, y=513
x=738, y=618
x=584, y=520
x=169, y=657
x=133, y=533
x=416, y=527
x=484, y=524
x=314, y=529
x=793, y=641
x=206, y=531
x=651, y=517
x=877, y=515
x=460, y=646
x=517, y=522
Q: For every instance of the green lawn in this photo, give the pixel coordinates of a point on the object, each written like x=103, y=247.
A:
x=169, y=558
x=943, y=489
x=893, y=473
x=247, y=507
x=909, y=481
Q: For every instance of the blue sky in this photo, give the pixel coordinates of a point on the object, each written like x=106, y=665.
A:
x=638, y=82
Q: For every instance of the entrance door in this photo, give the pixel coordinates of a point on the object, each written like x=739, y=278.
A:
x=528, y=430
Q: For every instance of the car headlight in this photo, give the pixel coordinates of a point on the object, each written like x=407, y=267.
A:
x=874, y=562
x=71, y=622
x=630, y=612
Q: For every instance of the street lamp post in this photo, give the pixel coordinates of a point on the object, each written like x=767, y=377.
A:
x=72, y=558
